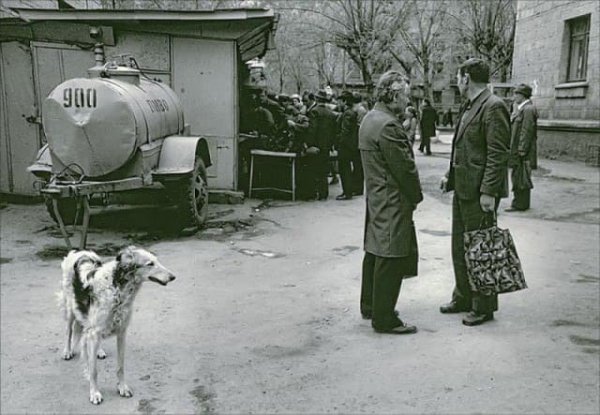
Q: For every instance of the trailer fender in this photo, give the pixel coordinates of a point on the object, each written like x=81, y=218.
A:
x=178, y=153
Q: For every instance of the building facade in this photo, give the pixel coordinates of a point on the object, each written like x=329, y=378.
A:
x=557, y=52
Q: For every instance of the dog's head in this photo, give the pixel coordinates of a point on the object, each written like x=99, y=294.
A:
x=141, y=265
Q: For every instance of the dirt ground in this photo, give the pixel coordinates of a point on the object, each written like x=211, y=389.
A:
x=263, y=317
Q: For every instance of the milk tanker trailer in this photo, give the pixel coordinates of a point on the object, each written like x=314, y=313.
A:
x=118, y=131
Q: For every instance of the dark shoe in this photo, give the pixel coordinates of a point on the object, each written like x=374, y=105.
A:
x=369, y=315
x=343, y=197
x=475, y=319
x=428, y=154
x=453, y=308
x=402, y=329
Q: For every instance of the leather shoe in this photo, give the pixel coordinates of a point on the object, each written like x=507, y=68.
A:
x=513, y=209
x=475, y=319
x=343, y=197
x=402, y=329
x=452, y=308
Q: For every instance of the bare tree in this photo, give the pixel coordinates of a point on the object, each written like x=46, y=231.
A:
x=488, y=27
x=423, y=39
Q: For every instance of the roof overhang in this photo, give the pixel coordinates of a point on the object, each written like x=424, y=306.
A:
x=252, y=29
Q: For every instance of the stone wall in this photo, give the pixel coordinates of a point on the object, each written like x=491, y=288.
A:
x=540, y=60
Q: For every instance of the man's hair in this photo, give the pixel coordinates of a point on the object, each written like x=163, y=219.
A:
x=389, y=84
x=478, y=70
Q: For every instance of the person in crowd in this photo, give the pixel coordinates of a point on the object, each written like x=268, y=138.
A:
x=478, y=175
x=321, y=131
x=350, y=164
x=393, y=192
x=447, y=119
x=310, y=101
x=359, y=106
x=410, y=123
x=428, y=122
x=297, y=103
x=523, y=139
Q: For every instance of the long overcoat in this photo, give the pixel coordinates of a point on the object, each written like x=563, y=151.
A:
x=523, y=132
x=480, y=149
x=392, y=184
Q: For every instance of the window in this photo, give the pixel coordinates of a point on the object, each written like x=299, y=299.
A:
x=579, y=36
x=437, y=97
x=457, y=96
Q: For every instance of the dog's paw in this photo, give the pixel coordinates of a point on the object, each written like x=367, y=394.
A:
x=96, y=397
x=124, y=390
x=101, y=354
x=68, y=354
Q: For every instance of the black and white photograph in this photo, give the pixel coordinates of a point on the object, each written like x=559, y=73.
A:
x=299, y=207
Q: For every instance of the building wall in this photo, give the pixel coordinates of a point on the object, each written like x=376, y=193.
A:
x=540, y=60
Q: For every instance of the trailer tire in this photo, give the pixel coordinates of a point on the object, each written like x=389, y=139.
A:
x=67, y=208
x=191, y=196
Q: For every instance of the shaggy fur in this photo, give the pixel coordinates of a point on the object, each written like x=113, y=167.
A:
x=97, y=301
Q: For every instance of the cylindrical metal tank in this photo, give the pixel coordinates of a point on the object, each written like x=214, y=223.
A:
x=98, y=123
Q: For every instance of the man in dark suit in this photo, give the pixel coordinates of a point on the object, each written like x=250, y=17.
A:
x=321, y=131
x=393, y=192
x=522, y=142
x=479, y=177
x=428, y=122
x=350, y=164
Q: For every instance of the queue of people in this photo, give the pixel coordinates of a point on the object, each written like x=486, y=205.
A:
x=314, y=126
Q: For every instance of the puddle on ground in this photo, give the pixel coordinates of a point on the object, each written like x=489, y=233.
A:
x=435, y=232
x=4, y=260
x=258, y=252
x=345, y=250
x=203, y=399
x=569, y=323
x=587, y=278
x=584, y=341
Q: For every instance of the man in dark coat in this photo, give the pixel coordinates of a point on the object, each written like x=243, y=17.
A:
x=479, y=177
x=321, y=131
x=393, y=192
x=350, y=164
x=523, y=139
x=428, y=121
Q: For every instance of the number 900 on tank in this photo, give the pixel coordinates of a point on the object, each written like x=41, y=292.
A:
x=117, y=127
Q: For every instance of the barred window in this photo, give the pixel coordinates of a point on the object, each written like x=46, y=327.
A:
x=579, y=36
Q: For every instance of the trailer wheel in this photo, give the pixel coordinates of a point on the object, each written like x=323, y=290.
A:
x=67, y=209
x=191, y=196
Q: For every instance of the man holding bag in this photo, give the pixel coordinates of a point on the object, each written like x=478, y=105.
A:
x=478, y=175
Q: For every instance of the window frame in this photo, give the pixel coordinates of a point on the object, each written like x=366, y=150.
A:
x=583, y=38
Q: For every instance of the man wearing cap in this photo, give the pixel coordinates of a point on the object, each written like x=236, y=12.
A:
x=478, y=175
x=393, y=192
x=351, y=171
x=321, y=131
x=523, y=139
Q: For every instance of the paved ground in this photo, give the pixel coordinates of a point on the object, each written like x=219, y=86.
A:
x=263, y=317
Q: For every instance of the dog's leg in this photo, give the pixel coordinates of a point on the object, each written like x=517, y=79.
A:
x=124, y=390
x=92, y=341
x=77, y=329
x=68, y=350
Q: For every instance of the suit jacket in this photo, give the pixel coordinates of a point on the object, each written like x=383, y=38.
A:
x=322, y=127
x=480, y=149
x=392, y=183
x=523, y=132
x=348, y=139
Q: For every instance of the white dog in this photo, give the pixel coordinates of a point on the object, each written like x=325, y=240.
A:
x=97, y=300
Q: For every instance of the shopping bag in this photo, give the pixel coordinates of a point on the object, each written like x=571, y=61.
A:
x=493, y=266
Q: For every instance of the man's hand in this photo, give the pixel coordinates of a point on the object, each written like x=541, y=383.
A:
x=444, y=184
x=487, y=202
